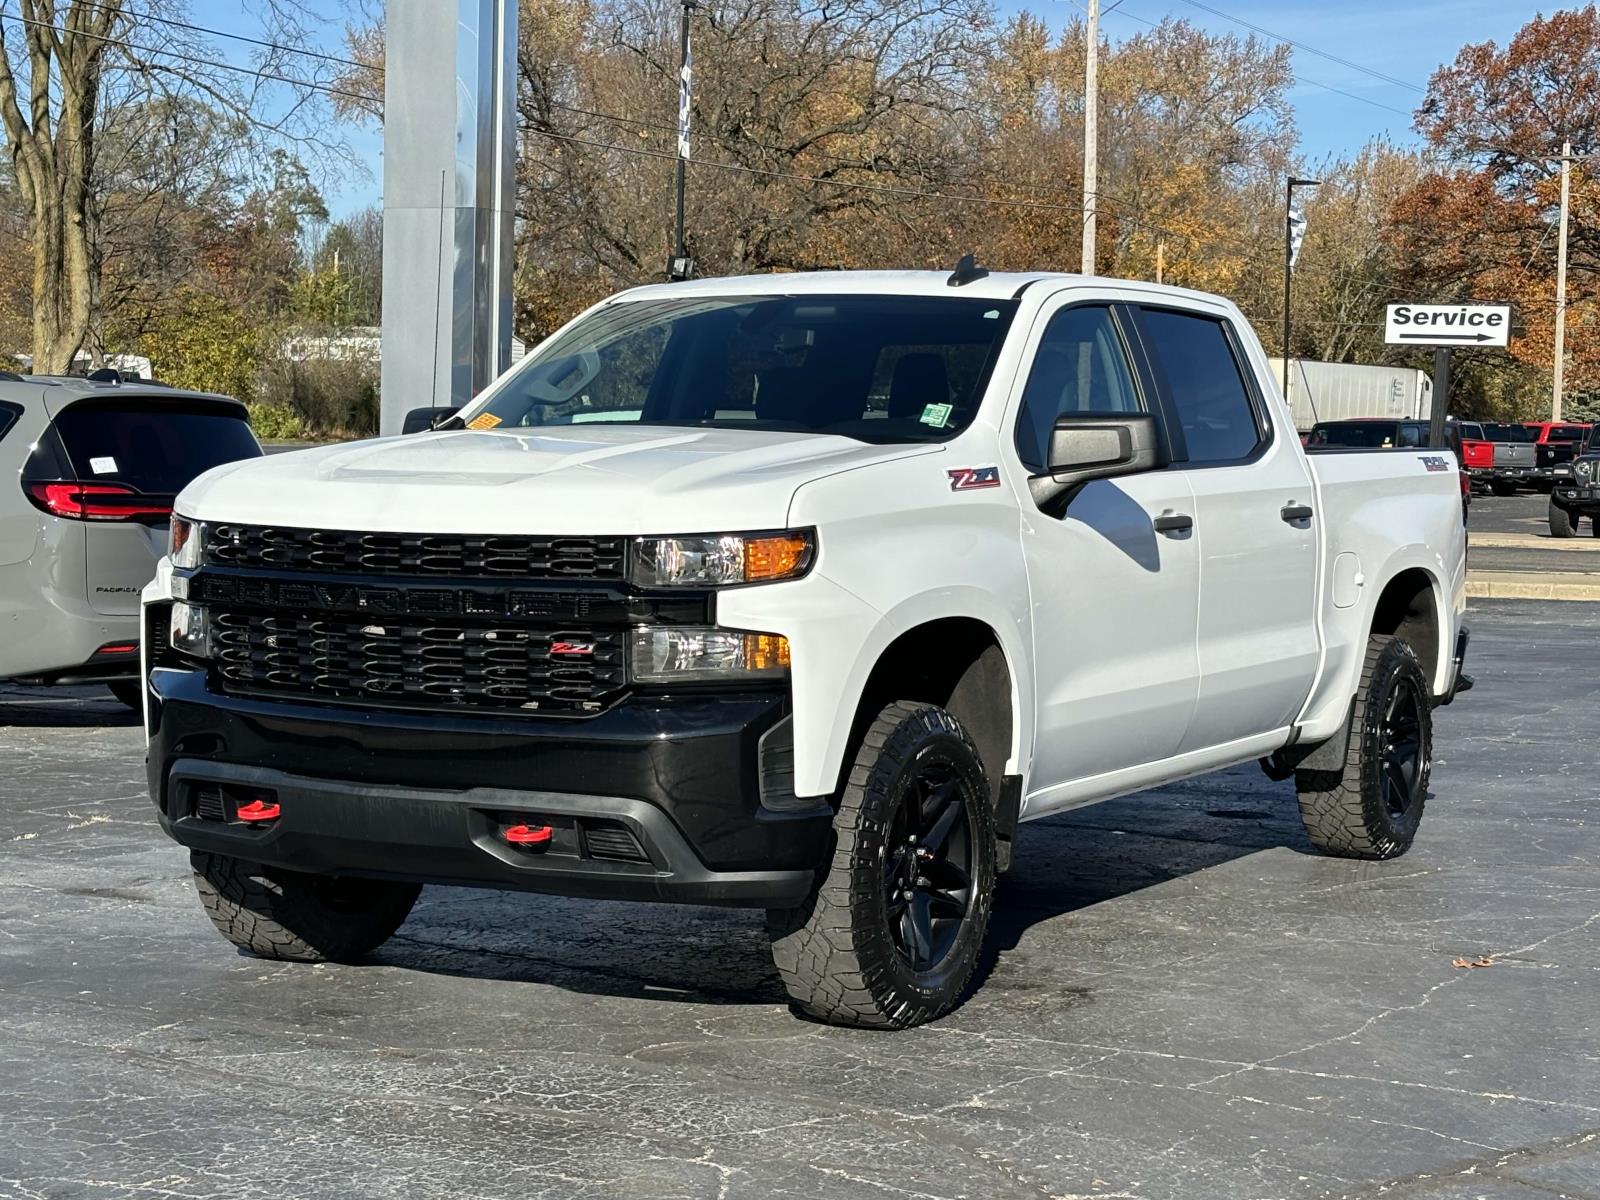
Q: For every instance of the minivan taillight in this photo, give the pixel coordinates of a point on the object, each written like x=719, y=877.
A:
x=97, y=502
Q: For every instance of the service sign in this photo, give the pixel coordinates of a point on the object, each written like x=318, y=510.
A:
x=1447, y=325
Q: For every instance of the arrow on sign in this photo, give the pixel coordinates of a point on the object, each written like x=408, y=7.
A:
x=1446, y=337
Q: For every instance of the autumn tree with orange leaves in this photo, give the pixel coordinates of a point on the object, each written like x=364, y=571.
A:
x=1485, y=228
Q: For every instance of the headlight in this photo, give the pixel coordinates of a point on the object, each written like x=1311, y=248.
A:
x=1583, y=469
x=717, y=560
x=188, y=633
x=680, y=654
x=183, y=542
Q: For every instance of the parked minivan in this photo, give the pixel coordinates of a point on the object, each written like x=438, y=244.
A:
x=96, y=464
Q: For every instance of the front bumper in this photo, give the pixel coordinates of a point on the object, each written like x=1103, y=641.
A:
x=1570, y=495
x=661, y=798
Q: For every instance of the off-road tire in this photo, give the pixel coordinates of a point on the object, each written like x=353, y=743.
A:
x=1345, y=811
x=1594, y=524
x=129, y=691
x=1562, y=523
x=274, y=913
x=836, y=953
x=1503, y=489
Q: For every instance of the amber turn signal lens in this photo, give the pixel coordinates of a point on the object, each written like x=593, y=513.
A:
x=766, y=652
x=779, y=556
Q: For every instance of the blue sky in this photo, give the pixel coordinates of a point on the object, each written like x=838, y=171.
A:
x=1407, y=41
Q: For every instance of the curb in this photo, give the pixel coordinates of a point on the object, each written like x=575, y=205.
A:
x=1530, y=585
x=1532, y=541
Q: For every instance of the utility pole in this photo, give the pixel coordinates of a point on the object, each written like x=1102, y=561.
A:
x=1561, y=282
x=1288, y=265
x=681, y=266
x=1091, y=134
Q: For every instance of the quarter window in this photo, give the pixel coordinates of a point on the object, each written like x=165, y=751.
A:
x=1080, y=369
x=1214, y=408
x=8, y=417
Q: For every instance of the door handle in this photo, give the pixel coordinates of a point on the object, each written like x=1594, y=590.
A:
x=1174, y=523
x=1296, y=512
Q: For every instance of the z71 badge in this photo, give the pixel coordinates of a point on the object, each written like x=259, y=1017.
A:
x=970, y=479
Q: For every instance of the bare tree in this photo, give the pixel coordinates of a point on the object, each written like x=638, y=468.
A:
x=66, y=67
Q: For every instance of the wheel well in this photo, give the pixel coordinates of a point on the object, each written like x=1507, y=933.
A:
x=956, y=663
x=1407, y=609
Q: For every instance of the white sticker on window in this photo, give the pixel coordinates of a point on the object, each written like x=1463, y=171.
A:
x=103, y=466
x=936, y=415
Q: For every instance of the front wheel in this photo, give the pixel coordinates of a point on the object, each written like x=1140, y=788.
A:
x=891, y=935
x=1371, y=807
x=1562, y=523
x=274, y=913
x=129, y=691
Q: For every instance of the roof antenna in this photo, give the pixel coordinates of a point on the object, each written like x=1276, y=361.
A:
x=967, y=271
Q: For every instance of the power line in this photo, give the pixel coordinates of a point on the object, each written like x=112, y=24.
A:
x=173, y=23
x=196, y=60
x=1333, y=58
x=1327, y=87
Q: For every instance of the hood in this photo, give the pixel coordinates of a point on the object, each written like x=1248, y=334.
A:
x=586, y=479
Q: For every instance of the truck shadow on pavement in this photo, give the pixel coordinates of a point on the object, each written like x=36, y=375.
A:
x=23, y=706
x=1064, y=864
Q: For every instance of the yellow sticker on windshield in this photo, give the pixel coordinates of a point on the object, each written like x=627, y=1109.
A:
x=483, y=421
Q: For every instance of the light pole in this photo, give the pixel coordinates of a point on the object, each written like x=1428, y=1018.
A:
x=1560, y=378
x=681, y=266
x=1288, y=265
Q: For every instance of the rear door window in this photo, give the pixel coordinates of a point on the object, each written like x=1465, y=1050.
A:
x=154, y=447
x=1220, y=423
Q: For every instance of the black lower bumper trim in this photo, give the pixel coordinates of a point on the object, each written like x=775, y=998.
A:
x=433, y=836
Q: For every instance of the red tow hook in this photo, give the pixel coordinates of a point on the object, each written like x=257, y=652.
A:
x=259, y=811
x=528, y=836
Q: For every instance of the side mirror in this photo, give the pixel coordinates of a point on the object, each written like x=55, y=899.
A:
x=1097, y=447
x=420, y=420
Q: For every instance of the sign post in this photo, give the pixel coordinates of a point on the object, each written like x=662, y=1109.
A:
x=1444, y=327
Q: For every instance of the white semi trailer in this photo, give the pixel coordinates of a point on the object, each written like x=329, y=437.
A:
x=1323, y=391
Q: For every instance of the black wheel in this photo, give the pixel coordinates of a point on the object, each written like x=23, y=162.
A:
x=303, y=918
x=891, y=935
x=1503, y=489
x=129, y=691
x=1594, y=525
x=1371, y=808
x=1562, y=524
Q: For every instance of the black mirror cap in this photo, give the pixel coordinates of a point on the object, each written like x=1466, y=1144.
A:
x=1085, y=448
x=421, y=420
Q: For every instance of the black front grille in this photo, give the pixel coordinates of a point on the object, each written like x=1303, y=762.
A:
x=462, y=556
x=419, y=663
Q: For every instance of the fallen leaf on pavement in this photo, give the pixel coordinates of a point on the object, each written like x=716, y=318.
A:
x=1472, y=964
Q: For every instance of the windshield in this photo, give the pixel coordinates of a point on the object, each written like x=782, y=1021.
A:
x=1496, y=432
x=876, y=368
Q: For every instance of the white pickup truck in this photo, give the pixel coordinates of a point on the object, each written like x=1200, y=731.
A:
x=798, y=592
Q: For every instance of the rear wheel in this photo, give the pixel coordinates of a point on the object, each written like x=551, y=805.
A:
x=129, y=691
x=1371, y=807
x=1562, y=524
x=303, y=918
x=891, y=935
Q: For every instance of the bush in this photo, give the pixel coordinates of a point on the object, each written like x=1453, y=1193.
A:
x=275, y=421
x=332, y=396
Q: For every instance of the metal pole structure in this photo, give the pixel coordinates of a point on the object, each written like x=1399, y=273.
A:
x=1091, y=134
x=680, y=267
x=1561, y=282
x=1288, y=265
x=1441, y=395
